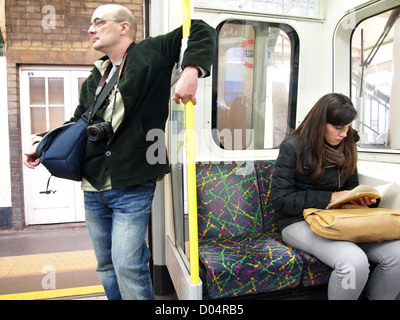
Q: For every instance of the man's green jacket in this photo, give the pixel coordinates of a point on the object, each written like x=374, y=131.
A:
x=145, y=90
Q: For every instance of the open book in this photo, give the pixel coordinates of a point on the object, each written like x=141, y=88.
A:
x=362, y=191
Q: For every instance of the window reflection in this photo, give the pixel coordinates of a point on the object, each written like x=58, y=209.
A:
x=37, y=91
x=56, y=117
x=375, y=80
x=255, y=85
x=38, y=120
x=47, y=103
x=56, y=91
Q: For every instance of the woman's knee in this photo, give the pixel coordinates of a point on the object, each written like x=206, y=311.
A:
x=352, y=267
x=385, y=254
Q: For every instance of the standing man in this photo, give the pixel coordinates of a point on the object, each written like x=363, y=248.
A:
x=118, y=181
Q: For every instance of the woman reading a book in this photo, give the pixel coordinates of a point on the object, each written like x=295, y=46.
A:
x=317, y=164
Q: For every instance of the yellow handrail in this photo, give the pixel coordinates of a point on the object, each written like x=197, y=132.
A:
x=191, y=165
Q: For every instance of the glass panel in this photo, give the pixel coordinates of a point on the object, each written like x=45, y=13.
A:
x=375, y=43
x=278, y=86
x=56, y=117
x=37, y=91
x=256, y=83
x=178, y=174
x=80, y=82
x=235, y=83
x=38, y=120
x=56, y=91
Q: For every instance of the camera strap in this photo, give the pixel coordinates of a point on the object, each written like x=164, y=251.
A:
x=102, y=92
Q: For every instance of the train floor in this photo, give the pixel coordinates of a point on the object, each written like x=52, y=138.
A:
x=49, y=262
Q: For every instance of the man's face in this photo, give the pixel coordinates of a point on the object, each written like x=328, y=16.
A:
x=104, y=29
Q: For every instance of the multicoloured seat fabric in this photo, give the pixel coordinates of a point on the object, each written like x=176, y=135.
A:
x=228, y=200
x=248, y=264
x=239, y=258
x=264, y=170
x=314, y=271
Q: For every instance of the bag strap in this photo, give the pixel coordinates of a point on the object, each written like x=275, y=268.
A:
x=104, y=92
x=47, y=188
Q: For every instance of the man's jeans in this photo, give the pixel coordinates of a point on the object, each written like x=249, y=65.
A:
x=117, y=221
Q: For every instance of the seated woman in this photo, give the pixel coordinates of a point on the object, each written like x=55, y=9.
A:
x=317, y=163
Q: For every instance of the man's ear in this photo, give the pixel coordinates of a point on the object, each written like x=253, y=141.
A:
x=125, y=27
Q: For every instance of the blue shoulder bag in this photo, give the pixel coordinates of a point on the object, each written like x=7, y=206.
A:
x=62, y=150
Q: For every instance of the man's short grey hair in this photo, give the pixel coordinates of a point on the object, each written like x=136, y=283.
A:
x=123, y=13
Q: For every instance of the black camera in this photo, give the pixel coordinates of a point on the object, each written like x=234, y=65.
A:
x=99, y=131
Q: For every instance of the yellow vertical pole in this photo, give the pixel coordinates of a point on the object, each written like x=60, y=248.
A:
x=191, y=165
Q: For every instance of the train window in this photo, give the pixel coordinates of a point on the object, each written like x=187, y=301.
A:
x=255, y=84
x=375, y=79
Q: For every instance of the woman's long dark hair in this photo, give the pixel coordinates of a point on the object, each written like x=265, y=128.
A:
x=337, y=110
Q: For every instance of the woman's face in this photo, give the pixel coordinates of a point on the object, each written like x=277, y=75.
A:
x=335, y=134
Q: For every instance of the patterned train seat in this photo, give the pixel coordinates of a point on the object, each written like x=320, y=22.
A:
x=238, y=256
x=314, y=271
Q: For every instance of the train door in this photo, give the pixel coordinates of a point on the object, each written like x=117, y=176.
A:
x=48, y=99
x=247, y=106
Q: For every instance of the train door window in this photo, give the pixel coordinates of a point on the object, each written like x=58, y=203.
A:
x=375, y=79
x=255, y=83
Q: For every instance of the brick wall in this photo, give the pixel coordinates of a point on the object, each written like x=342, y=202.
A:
x=46, y=32
x=55, y=31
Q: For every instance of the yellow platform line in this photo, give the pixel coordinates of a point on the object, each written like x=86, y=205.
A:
x=53, y=294
x=15, y=266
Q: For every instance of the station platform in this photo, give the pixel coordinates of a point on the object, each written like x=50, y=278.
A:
x=51, y=262
x=48, y=262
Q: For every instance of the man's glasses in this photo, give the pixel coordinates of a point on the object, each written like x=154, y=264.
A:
x=98, y=22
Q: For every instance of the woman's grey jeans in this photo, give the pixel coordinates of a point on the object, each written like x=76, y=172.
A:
x=350, y=265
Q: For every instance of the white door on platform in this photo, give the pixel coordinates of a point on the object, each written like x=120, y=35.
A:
x=49, y=97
